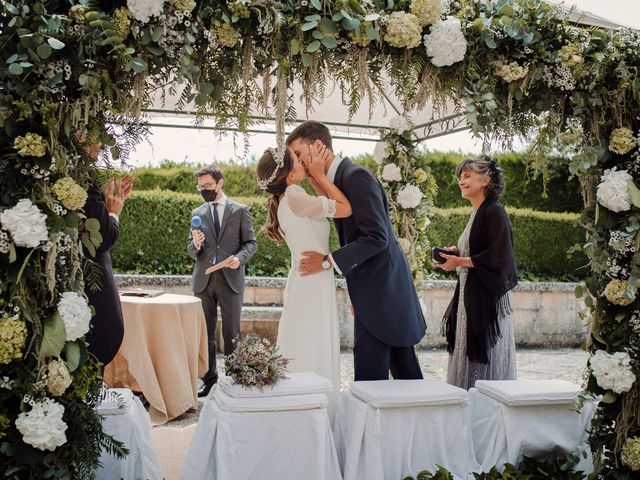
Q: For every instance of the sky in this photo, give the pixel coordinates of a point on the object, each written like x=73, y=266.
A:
x=205, y=146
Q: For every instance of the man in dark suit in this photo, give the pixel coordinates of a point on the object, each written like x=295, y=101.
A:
x=107, y=329
x=388, y=319
x=226, y=235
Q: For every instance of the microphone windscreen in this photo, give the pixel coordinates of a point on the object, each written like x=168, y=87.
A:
x=196, y=221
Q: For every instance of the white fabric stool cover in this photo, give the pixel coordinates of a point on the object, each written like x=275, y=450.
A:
x=125, y=419
x=394, y=428
x=279, y=437
x=512, y=418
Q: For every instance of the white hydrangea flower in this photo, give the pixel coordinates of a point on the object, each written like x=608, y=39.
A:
x=401, y=124
x=143, y=10
x=409, y=197
x=613, y=190
x=75, y=314
x=391, y=173
x=380, y=152
x=445, y=43
x=613, y=371
x=42, y=427
x=26, y=223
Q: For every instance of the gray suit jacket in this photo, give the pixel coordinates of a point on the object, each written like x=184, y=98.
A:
x=236, y=238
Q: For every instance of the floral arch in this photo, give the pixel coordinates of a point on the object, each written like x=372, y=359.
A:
x=512, y=66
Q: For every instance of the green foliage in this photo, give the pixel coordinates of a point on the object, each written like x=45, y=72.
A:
x=522, y=191
x=155, y=227
x=555, y=468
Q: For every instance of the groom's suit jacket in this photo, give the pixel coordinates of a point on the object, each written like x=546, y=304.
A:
x=236, y=238
x=377, y=272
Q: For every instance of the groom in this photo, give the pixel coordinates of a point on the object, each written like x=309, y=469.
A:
x=388, y=319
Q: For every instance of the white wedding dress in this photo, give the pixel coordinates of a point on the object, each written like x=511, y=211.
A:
x=308, y=331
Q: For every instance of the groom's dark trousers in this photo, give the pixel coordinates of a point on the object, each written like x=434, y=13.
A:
x=388, y=317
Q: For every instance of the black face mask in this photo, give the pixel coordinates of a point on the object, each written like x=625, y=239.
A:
x=209, y=195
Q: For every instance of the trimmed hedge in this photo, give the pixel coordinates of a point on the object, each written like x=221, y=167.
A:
x=155, y=227
x=521, y=191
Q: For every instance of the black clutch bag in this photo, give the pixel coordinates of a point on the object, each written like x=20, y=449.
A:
x=437, y=252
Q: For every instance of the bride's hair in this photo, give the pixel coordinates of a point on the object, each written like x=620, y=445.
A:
x=266, y=166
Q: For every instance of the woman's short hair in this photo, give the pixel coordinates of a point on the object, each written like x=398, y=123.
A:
x=485, y=166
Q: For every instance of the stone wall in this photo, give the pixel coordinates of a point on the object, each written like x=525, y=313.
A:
x=546, y=314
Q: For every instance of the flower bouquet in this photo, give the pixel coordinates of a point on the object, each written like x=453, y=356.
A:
x=255, y=363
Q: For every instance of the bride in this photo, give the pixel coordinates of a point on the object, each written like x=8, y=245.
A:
x=308, y=330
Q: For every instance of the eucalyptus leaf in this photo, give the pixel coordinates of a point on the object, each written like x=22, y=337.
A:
x=350, y=24
x=372, y=17
x=44, y=51
x=55, y=43
x=12, y=9
x=156, y=33
x=295, y=46
x=312, y=18
x=346, y=15
x=91, y=15
x=491, y=43
x=12, y=58
x=72, y=353
x=609, y=397
x=89, y=246
x=92, y=225
x=53, y=337
x=336, y=17
x=328, y=26
x=138, y=65
x=15, y=69
x=371, y=32
x=154, y=49
x=308, y=26
x=579, y=291
x=329, y=42
x=313, y=46
x=306, y=59
x=317, y=35
x=317, y=5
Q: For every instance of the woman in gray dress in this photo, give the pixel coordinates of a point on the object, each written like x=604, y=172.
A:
x=477, y=324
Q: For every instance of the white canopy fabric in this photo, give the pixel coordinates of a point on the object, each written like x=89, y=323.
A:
x=428, y=122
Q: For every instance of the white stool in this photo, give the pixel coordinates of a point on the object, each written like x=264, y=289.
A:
x=280, y=433
x=512, y=418
x=393, y=428
x=125, y=419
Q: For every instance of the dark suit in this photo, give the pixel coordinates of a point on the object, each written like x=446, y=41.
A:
x=388, y=318
x=107, y=329
x=224, y=287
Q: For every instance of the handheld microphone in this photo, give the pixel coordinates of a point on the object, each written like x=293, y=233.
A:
x=196, y=224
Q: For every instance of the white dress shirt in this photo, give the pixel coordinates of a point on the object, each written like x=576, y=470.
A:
x=221, y=203
x=331, y=175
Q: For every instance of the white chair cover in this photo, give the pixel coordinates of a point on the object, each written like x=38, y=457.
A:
x=503, y=433
x=133, y=428
x=285, y=437
x=417, y=426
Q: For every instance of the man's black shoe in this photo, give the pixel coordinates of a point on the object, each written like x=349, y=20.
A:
x=204, y=391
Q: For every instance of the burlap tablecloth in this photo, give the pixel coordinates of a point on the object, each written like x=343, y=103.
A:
x=163, y=353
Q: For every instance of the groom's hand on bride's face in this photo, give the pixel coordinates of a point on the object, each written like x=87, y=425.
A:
x=311, y=263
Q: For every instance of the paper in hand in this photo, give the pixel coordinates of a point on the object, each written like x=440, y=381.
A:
x=222, y=264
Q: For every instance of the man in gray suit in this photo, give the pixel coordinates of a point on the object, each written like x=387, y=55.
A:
x=225, y=235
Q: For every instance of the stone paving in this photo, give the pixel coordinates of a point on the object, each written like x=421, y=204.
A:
x=533, y=364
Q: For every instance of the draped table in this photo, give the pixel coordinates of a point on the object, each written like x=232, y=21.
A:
x=130, y=425
x=163, y=353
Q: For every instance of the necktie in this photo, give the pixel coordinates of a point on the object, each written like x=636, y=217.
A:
x=216, y=227
x=216, y=219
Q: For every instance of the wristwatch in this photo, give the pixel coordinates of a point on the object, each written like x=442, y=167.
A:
x=326, y=264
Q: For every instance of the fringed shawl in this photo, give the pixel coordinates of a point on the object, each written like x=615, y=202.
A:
x=493, y=275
